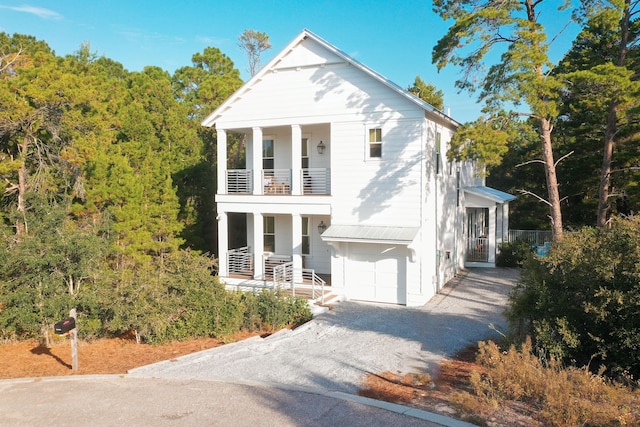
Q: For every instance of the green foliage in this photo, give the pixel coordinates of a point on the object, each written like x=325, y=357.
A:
x=44, y=274
x=485, y=141
x=104, y=174
x=427, y=92
x=582, y=302
x=269, y=310
x=513, y=254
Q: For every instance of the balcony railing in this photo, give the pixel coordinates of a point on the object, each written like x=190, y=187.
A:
x=276, y=181
x=279, y=181
x=239, y=181
x=315, y=181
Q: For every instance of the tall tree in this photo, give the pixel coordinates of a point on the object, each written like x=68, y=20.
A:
x=427, y=92
x=254, y=43
x=202, y=87
x=624, y=12
x=520, y=77
x=596, y=84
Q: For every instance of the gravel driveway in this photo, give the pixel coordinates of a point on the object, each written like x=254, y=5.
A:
x=336, y=349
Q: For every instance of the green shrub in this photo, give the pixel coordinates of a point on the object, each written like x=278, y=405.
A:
x=581, y=303
x=513, y=254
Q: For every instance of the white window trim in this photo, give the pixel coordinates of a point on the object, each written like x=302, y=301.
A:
x=306, y=136
x=367, y=143
x=308, y=235
x=265, y=233
x=267, y=138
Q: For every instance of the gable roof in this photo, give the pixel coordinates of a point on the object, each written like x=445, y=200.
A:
x=212, y=118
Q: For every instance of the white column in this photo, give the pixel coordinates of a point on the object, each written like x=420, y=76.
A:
x=296, y=243
x=222, y=160
x=492, y=234
x=296, y=160
x=256, y=162
x=258, y=244
x=223, y=244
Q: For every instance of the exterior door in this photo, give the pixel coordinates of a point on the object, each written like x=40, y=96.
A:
x=477, y=234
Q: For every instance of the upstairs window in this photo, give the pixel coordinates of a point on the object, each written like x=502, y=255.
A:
x=375, y=143
x=304, y=150
x=267, y=153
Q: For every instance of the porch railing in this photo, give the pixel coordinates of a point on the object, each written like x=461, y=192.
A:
x=316, y=181
x=534, y=237
x=285, y=278
x=478, y=249
x=240, y=261
x=239, y=181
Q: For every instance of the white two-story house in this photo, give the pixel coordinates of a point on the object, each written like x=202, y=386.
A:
x=347, y=181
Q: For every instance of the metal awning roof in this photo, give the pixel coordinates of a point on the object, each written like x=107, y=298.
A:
x=490, y=193
x=370, y=234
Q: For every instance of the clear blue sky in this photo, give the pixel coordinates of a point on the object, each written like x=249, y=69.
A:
x=395, y=38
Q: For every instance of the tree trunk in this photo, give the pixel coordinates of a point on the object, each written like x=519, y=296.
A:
x=21, y=224
x=552, y=180
x=612, y=125
x=605, y=171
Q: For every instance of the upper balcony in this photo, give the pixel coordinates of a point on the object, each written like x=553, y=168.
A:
x=283, y=160
x=310, y=181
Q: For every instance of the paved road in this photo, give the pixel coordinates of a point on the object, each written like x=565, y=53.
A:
x=306, y=377
x=336, y=349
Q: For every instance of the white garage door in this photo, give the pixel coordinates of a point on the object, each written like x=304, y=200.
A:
x=375, y=272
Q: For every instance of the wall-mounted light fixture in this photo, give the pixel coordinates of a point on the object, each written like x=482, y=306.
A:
x=321, y=147
x=322, y=227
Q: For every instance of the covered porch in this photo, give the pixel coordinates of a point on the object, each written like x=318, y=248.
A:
x=280, y=160
x=281, y=250
x=486, y=224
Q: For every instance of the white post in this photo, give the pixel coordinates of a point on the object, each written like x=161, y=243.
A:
x=74, y=340
x=296, y=251
x=258, y=246
x=296, y=160
x=222, y=161
x=223, y=244
x=256, y=162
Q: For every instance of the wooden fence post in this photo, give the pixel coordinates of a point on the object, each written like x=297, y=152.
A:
x=74, y=341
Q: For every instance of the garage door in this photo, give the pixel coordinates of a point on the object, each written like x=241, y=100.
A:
x=375, y=272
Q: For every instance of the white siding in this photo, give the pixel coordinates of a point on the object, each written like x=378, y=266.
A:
x=372, y=191
x=333, y=92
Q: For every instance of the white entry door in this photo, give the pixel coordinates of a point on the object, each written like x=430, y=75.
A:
x=376, y=273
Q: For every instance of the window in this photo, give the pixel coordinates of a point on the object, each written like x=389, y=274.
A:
x=375, y=143
x=306, y=238
x=267, y=153
x=269, y=231
x=305, y=153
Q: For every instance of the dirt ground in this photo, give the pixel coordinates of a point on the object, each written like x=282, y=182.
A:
x=104, y=356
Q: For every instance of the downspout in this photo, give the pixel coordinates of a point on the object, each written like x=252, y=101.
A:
x=438, y=149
